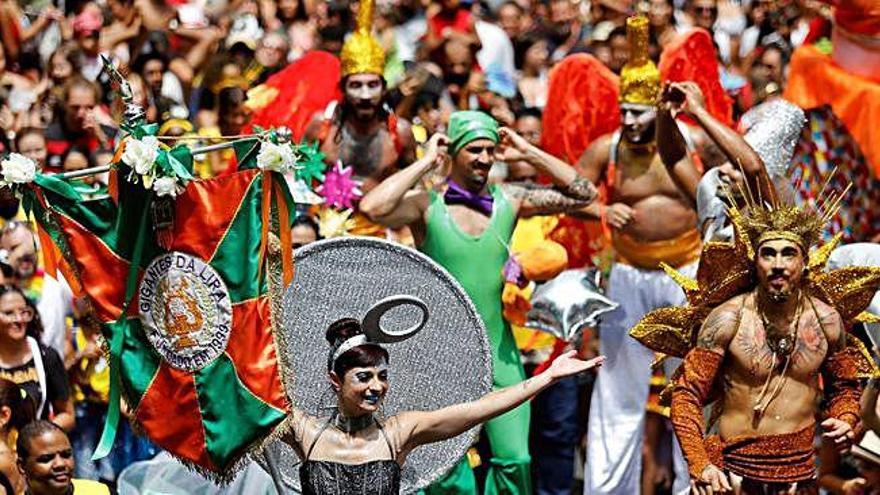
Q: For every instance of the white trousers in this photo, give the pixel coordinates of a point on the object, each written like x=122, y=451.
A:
x=620, y=394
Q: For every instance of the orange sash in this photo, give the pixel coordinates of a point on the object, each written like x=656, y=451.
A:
x=677, y=252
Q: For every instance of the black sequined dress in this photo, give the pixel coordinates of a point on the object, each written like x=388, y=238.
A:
x=380, y=477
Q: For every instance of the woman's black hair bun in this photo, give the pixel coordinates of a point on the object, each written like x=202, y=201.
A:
x=343, y=329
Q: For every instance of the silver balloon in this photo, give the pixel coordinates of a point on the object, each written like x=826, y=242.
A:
x=447, y=362
x=566, y=305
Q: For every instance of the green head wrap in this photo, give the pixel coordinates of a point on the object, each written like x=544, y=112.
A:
x=466, y=126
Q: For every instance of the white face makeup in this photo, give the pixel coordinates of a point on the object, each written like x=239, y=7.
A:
x=637, y=122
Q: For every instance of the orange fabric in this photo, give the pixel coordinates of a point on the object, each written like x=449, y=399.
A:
x=581, y=106
x=298, y=91
x=814, y=80
x=265, y=220
x=691, y=393
x=286, y=244
x=858, y=16
x=176, y=403
x=782, y=458
x=254, y=353
x=544, y=261
x=363, y=226
x=677, y=252
x=203, y=213
x=692, y=57
x=105, y=289
x=581, y=239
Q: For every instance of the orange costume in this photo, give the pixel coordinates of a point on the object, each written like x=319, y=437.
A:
x=847, y=79
x=780, y=463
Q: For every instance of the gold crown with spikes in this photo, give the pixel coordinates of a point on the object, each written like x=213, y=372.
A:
x=770, y=220
x=362, y=53
x=639, y=79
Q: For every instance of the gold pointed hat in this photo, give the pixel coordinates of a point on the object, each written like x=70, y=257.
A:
x=640, y=78
x=362, y=53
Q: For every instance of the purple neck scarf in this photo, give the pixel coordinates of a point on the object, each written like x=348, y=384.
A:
x=457, y=195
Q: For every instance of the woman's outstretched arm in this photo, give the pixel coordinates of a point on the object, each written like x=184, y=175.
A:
x=421, y=427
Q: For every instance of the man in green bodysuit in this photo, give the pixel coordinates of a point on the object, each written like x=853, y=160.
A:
x=466, y=228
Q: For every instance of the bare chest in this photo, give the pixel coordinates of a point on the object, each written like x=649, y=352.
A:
x=639, y=177
x=372, y=155
x=756, y=354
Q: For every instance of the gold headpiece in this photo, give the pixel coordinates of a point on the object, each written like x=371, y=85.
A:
x=726, y=269
x=362, y=53
x=639, y=79
x=770, y=220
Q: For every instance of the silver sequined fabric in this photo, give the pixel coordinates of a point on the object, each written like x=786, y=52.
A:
x=448, y=362
x=772, y=130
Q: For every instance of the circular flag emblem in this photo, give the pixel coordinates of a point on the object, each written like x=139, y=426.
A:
x=186, y=310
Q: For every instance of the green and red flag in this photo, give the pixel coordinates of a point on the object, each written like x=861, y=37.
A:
x=189, y=329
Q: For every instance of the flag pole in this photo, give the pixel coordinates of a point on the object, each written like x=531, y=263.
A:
x=85, y=172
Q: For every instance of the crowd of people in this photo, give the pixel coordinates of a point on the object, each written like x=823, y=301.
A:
x=439, y=113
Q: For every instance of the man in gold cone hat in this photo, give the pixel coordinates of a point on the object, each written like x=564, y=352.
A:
x=650, y=178
x=361, y=131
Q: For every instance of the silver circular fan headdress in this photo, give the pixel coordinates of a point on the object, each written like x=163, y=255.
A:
x=392, y=289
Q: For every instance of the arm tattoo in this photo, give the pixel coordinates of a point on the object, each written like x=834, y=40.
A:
x=831, y=325
x=544, y=199
x=717, y=330
x=580, y=188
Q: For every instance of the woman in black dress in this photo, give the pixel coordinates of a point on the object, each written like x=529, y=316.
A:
x=353, y=452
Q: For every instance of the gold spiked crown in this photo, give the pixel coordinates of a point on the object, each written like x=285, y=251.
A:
x=770, y=220
x=639, y=79
x=362, y=53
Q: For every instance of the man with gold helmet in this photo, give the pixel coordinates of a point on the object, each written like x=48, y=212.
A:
x=763, y=323
x=651, y=179
x=651, y=212
x=361, y=131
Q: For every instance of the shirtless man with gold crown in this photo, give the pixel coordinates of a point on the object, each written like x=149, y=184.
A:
x=763, y=324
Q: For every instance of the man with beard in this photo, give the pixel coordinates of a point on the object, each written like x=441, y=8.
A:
x=759, y=354
x=467, y=230
x=361, y=131
x=53, y=298
x=651, y=211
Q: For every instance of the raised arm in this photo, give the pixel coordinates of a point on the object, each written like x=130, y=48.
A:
x=672, y=148
x=730, y=142
x=393, y=202
x=571, y=191
x=300, y=431
x=693, y=388
x=421, y=427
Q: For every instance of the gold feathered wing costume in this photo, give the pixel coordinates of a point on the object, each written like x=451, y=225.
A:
x=726, y=270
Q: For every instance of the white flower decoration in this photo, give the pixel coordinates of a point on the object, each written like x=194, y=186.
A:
x=276, y=157
x=141, y=154
x=165, y=186
x=18, y=169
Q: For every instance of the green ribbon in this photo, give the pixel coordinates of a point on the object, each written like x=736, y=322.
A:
x=176, y=162
x=117, y=330
x=141, y=130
